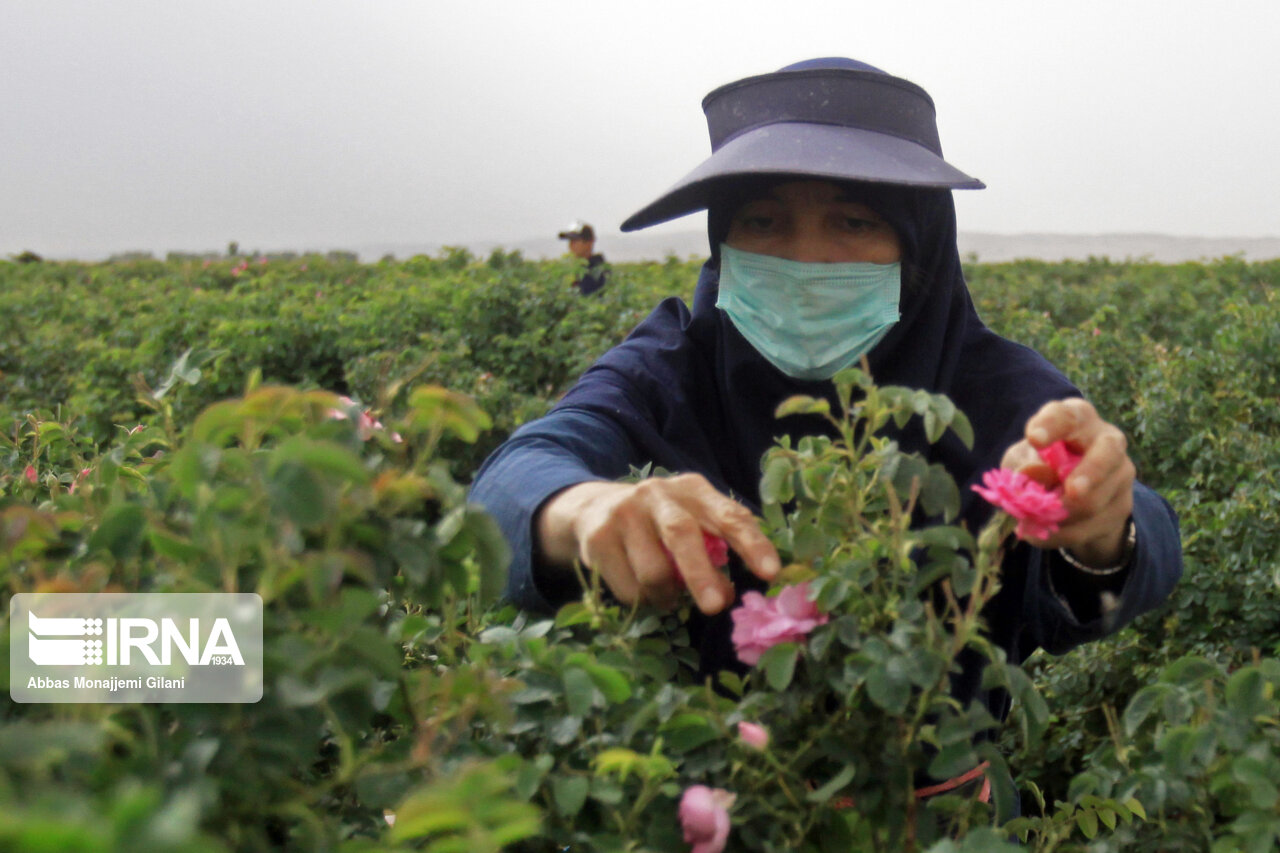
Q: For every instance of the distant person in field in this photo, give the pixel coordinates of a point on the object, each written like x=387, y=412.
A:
x=582, y=244
x=833, y=238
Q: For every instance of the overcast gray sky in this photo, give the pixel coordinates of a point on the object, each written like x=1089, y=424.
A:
x=178, y=125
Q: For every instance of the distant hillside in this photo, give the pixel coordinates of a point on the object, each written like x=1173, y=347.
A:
x=646, y=245
x=1162, y=248
x=993, y=248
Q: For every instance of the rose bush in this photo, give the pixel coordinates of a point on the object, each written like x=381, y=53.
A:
x=1141, y=750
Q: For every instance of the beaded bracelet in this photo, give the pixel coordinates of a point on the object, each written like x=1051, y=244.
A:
x=1126, y=557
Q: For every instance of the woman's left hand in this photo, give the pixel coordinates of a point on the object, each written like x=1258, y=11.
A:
x=1098, y=494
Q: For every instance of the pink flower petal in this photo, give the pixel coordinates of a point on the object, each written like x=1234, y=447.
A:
x=717, y=549
x=1038, y=510
x=761, y=623
x=753, y=735
x=717, y=553
x=1061, y=458
x=704, y=817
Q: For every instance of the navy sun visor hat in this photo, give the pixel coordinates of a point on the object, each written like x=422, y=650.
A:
x=828, y=118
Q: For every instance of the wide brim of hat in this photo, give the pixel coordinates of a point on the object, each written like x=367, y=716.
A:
x=816, y=150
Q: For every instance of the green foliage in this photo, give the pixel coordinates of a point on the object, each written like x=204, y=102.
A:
x=1199, y=750
x=613, y=718
x=155, y=449
x=355, y=544
x=511, y=332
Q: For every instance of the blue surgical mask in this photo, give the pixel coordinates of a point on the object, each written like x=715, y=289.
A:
x=809, y=320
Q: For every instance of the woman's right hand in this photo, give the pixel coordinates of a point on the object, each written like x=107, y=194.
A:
x=620, y=530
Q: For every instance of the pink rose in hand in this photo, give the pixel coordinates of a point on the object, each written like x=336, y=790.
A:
x=30, y=474
x=753, y=735
x=717, y=549
x=761, y=623
x=1038, y=510
x=717, y=553
x=1061, y=458
x=704, y=817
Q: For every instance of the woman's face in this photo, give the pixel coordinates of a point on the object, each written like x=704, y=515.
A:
x=815, y=222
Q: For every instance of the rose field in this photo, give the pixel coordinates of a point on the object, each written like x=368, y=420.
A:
x=305, y=428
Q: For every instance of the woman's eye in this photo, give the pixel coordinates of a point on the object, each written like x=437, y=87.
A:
x=856, y=223
x=757, y=223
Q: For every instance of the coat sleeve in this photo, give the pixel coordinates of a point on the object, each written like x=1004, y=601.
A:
x=1156, y=567
x=567, y=447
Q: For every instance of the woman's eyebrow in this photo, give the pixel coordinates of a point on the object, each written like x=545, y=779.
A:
x=870, y=212
x=756, y=196
x=845, y=197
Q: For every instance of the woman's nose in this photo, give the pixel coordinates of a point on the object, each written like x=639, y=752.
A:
x=809, y=246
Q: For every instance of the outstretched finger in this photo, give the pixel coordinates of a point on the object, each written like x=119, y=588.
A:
x=734, y=523
x=681, y=534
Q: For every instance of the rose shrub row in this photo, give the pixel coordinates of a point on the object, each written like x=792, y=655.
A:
x=1183, y=357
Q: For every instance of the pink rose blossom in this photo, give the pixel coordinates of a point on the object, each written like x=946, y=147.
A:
x=754, y=736
x=704, y=817
x=367, y=424
x=717, y=549
x=1037, y=509
x=30, y=474
x=84, y=472
x=1061, y=458
x=761, y=623
x=717, y=553
x=339, y=414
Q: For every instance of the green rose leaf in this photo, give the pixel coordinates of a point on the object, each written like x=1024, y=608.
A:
x=779, y=665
